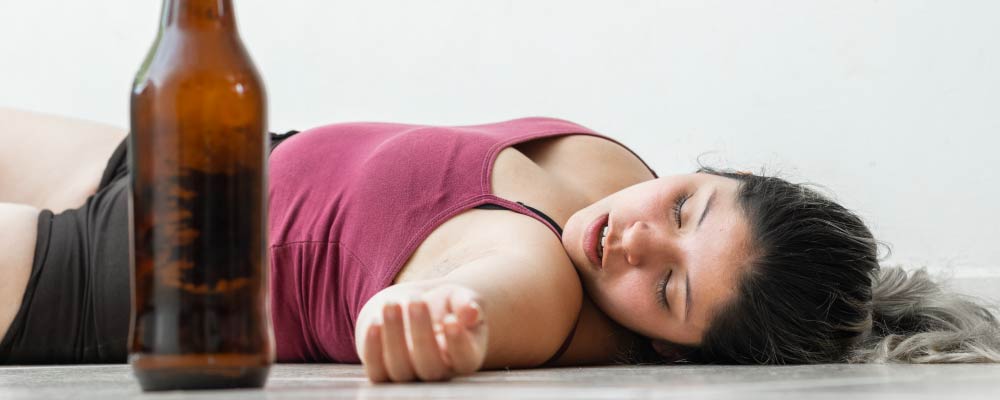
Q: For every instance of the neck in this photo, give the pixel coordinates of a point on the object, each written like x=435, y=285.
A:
x=198, y=14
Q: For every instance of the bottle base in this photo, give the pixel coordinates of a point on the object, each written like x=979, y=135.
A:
x=200, y=372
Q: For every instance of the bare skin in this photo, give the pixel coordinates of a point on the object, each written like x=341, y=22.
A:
x=52, y=162
x=500, y=296
x=18, y=225
x=46, y=162
x=509, y=295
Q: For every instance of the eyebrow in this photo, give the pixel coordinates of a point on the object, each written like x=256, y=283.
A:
x=687, y=295
x=704, y=211
x=687, y=275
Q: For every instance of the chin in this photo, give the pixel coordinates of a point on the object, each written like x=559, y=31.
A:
x=571, y=242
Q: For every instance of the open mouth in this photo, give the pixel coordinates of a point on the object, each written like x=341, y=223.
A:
x=593, y=242
x=600, y=243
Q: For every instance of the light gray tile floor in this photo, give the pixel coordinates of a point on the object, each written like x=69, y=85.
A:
x=331, y=381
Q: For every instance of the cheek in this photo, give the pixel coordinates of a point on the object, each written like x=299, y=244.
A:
x=624, y=299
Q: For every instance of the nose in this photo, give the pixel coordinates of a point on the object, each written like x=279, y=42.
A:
x=635, y=242
x=642, y=244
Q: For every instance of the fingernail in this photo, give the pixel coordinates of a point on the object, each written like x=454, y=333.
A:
x=479, y=311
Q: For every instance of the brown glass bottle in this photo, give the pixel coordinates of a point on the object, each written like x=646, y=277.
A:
x=198, y=206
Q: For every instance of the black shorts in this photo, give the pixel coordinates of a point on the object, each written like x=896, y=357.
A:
x=77, y=301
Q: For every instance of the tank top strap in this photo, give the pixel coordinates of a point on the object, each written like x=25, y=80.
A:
x=564, y=346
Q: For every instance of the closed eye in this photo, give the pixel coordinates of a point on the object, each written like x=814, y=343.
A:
x=661, y=291
x=677, y=208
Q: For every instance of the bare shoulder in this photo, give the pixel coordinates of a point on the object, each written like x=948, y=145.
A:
x=525, y=248
x=531, y=293
x=528, y=285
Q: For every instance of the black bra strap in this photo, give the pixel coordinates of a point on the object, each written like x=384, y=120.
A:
x=551, y=221
x=489, y=206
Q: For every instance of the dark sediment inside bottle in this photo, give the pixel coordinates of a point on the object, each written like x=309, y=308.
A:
x=195, y=328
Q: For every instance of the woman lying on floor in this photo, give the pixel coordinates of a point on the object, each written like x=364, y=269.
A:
x=427, y=252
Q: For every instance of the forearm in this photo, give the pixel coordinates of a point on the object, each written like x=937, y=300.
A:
x=529, y=309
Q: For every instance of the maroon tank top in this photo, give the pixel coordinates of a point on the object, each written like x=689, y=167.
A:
x=350, y=202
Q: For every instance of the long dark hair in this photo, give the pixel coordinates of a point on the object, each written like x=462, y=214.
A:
x=814, y=292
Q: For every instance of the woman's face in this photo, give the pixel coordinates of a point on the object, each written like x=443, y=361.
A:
x=662, y=277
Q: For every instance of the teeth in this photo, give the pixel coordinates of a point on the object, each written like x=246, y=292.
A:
x=600, y=245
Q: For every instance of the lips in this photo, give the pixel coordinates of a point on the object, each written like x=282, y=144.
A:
x=591, y=237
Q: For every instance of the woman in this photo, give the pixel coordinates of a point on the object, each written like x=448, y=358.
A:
x=390, y=246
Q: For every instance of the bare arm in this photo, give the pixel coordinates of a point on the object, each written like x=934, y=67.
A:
x=529, y=300
x=530, y=308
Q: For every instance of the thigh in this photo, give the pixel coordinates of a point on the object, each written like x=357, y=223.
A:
x=75, y=302
x=18, y=229
x=52, y=162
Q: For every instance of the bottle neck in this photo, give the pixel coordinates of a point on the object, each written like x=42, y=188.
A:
x=198, y=15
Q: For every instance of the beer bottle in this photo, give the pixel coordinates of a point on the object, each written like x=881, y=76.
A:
x=200, y=317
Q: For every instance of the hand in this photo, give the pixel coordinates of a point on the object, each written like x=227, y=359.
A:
x=434, y=336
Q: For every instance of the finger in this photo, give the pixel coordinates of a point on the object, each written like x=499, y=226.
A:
x=471, y=315
x=394, y=351
x=461, y=348
x=374, y=366
x=442, y=342
x=464, y=304
x=425, y=355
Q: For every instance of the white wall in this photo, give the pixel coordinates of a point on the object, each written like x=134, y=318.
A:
x=892, y=105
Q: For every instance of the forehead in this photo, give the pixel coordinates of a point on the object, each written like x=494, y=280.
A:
x=692, y=181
